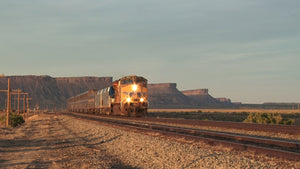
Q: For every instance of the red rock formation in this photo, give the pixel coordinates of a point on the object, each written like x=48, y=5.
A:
x=224, y=100
x=166, y=95
x=195, y=92
x=50, y=92
x=200, y=98
x=71, y=86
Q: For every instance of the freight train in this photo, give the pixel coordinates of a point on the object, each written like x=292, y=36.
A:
x=127, y=96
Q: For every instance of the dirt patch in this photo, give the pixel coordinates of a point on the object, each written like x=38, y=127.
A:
x=44, y=142
x=49, y=141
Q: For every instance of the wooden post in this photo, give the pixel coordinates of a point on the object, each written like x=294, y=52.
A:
x=24, y=106
x=8, y=103
x=18, y=101
x=5, y=103
x=27, y=105
x=14, y=102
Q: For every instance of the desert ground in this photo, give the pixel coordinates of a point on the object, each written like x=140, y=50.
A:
x=60, y=141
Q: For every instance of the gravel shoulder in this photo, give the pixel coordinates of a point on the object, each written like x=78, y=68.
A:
x=59, y=141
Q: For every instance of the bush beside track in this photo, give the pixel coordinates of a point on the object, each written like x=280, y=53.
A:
x=229, y=115
x=15, y=119
x=268, y=118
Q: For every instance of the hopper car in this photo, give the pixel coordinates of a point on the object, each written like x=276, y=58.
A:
x=127, y=96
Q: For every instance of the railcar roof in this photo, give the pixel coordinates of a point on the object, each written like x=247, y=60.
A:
x=131, y=76
x=86, y=92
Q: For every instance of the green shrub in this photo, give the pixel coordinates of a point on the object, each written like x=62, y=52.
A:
x=268, y=118
x=15, y=119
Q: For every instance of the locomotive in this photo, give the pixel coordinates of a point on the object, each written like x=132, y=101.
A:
x=127, y=96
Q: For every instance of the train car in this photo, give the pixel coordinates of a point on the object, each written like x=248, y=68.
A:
x=127, y=96
x=83, y=103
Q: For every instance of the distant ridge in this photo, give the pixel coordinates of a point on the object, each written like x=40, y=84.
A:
x=166, y=95
x=49, y=92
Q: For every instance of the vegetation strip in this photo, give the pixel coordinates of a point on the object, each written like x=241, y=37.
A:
x=236, y=125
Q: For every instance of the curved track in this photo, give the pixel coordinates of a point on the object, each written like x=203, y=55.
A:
x=273, y=147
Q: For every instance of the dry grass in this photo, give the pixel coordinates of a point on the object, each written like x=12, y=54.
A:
x=235, y=115
x=2, y=119
x=172, y=110
x=225, y=110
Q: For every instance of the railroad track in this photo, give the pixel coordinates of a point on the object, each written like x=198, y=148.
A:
x=274, y=147
x=286, y=129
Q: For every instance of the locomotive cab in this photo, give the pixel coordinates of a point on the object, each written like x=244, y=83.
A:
x=134, y=97
x=127, y=96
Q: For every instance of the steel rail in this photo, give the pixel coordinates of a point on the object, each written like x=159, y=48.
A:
x=273, y=147
x=276, y=128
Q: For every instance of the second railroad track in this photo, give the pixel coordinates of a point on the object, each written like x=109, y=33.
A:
x=281, y=148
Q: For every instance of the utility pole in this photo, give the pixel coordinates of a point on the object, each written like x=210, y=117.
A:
x=8, y=103
x=8, y=100
x=27, y=103
x=18, y=101
x=14, y=101
x=19, y=93
x=24, y=106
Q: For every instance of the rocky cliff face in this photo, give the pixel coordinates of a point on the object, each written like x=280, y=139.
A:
x=195, y=92
x=200, y=97
x=49, y=92
x=166, y=95
x=71, y=86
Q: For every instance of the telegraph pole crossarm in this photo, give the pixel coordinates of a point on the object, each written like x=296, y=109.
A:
x=18, y=92
x=8, y=100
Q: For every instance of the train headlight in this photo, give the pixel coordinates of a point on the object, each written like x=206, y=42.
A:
x=128, y=99
x=134, y=87
x=142, y=99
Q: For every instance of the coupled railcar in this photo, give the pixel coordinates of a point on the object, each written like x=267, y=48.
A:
x=127, y=96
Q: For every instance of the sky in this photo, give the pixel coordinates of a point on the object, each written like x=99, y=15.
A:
x=248, y=51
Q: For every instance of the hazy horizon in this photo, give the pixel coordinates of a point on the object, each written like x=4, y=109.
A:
x=247, y=51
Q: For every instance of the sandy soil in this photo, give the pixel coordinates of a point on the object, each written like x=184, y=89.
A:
x=50, y=141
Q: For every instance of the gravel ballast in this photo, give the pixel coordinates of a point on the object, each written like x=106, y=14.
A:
x=59, y=141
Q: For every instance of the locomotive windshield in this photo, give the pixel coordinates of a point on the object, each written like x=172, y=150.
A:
x=134, y=80
x=141, y=81
x=127, y=80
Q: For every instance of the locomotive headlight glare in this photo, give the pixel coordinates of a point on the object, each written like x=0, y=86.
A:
x=134, y=87
x=128, y=99
x=142, y=99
